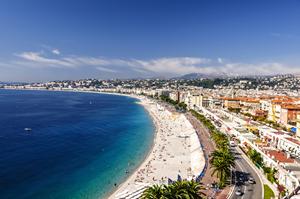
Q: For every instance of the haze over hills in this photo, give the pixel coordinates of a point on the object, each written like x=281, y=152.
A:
x=191, y=76
x=201, y=75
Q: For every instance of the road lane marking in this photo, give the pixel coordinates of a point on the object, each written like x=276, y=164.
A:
x=244, y=187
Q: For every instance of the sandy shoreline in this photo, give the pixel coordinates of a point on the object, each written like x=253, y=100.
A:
x=111, y=193
x=175, y=151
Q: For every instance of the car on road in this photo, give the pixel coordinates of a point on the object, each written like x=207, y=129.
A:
x=232, y=143
x=238, y=192
x=251, y=180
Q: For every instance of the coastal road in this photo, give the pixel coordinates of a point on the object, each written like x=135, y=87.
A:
x=243, y=170
x=242, y=175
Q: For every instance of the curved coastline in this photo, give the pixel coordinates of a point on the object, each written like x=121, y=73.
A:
x=140, y=103
x=168, y=137
x=176, y=150
x=143, y=161
x=76, y=91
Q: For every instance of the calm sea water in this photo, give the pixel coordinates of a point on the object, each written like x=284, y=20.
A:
x=79, y=146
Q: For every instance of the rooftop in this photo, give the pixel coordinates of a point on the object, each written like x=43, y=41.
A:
x=291, y=106
x=279, y=156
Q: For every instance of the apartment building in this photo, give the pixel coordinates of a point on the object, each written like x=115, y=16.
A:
x=288, y=114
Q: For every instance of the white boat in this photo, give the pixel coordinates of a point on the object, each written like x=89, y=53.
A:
x=27, y=129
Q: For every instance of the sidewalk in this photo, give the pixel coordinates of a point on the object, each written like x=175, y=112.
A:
x=225, y=193
x=208, y=147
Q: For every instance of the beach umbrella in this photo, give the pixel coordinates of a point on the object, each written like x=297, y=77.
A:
x=170, y=181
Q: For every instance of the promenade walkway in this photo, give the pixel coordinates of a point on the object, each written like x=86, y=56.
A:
x=208, y=147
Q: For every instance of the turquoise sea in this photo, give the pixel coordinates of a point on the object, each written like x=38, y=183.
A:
x=79, y=146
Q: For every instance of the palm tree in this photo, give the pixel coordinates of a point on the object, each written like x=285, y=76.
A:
x=190, y=189
x=222, y=161
x=154, y=192
x=255, y=157
x=270, y=173
x=222, y=144
x=170, y=191
x=178, y=190
x=220, y=139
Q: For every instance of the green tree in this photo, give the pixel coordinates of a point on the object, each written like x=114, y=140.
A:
x=255, y=157
x=178, y=190
x=270, y=173
x=220, y=139
x=154, y=192
x=221, y=162
x=188, y=189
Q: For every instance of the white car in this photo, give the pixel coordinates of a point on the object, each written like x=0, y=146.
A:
x=238, y=192
x=251, y=181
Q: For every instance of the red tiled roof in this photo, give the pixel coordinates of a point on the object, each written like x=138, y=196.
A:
x=291, y=106
x=253, y=100
x=244, y=99
x=229, y=99
x=279, y=156
x=280, y=101
x=266, y=97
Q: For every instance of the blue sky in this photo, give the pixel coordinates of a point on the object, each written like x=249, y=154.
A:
x=50, y=40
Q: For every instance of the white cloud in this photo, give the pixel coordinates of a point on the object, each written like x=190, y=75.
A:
x=267, y=68
x=175, y=65
x=105, y=69
x=168, y=66
x=180, y=66
x=38, y=58
x=56, y=51
x=220, y=60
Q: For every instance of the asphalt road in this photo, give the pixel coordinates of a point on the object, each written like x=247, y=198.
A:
x=243, y=171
